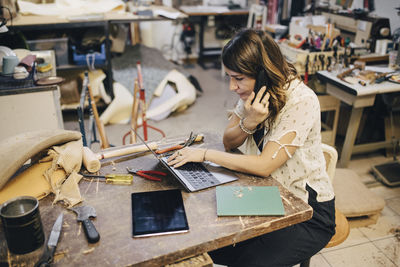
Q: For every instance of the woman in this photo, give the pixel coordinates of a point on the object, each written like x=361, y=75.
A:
x=279, y=135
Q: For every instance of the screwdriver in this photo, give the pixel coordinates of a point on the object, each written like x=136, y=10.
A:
x=113, y=178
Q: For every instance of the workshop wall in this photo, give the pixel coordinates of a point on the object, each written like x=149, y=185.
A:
x=163, y=35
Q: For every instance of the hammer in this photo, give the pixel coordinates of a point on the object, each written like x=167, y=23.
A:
x=91, y=160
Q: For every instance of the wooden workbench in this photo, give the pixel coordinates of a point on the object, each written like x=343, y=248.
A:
x=203, y=12
x=113, y=207
x=358, y=97
x=26, y=23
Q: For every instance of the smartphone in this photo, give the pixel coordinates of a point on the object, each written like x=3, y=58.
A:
x=262, y=79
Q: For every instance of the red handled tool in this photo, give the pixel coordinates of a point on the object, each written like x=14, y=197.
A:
x=168, y=149
x=146, y=174
x=192, y=138
x=188, y=142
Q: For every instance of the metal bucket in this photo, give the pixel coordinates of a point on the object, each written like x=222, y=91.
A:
x=22, y=224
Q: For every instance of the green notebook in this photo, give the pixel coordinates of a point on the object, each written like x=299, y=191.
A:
x=249, y=200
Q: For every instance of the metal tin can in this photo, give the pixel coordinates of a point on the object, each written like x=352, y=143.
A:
x=22, y=224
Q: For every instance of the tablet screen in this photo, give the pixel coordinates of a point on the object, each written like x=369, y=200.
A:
x=158, y=212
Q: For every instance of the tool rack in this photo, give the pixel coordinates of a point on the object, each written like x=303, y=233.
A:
x=298, y=57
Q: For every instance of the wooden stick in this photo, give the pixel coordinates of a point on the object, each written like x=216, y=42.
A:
x=348, y=72
x=125, y=150
x=135, y=110
x=99, y=123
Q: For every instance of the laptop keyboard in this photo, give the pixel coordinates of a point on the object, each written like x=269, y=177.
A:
x=198, y=175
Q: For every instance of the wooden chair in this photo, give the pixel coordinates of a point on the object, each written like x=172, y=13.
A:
x=257, y=17
x=330, y=105
x=342, y=225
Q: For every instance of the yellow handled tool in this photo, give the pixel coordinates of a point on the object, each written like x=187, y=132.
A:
x=113, y=178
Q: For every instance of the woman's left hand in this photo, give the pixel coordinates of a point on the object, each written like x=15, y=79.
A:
x=257, y=111
x=185, y=155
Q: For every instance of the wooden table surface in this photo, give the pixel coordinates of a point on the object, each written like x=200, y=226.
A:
x=212, y=11
x=113, y=16
x=117, y=247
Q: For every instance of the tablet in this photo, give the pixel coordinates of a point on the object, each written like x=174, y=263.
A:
x=158, y=213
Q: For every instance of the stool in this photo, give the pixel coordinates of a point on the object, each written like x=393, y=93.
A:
x=203, y=260
x=361, y=206
x=329, y=103
x=342, y=232
x=342, y=226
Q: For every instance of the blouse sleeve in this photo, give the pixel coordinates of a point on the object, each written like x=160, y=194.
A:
x=298, y=116
x=239, y=109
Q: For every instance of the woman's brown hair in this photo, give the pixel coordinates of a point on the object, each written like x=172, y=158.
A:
x=251, y=51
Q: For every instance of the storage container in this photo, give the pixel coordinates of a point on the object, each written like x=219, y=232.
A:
x=8, y=81
x=95, y=58
x=59, y=45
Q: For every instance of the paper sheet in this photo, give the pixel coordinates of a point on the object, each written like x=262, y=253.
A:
x=167, y=14
x=379, y=68
x=204, y=9
x=67, y=8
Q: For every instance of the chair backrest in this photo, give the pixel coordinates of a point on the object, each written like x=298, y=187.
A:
x=331, y=156
x=342, y=225
x=257, y=13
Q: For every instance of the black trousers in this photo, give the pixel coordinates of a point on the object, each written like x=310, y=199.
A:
x=286, y=247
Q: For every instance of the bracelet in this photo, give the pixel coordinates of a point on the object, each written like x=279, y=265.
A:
x=204, y=155
x=244, y=129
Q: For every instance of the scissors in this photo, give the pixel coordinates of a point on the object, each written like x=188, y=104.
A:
x=51, y=246
x=146, y=174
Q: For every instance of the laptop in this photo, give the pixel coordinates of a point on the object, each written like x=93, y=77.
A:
x=195, y=176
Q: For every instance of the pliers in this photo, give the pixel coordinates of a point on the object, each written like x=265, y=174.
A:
x=145, y=174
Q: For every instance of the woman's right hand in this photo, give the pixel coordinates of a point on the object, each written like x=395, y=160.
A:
x=256, y=112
